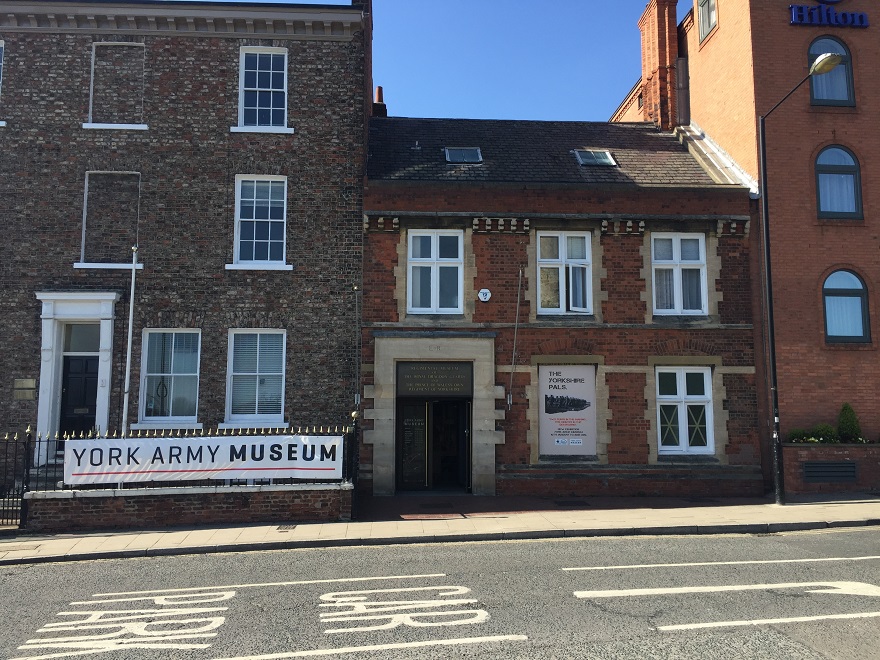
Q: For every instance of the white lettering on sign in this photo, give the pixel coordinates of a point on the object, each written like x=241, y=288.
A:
x=381, y=610
x=171, y=625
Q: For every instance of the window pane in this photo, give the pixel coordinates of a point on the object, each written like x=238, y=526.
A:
x=690, y=249
x=186, y=353
x=269, y=402
x=664, y=288
x=159, y=352
x=449, y=287
x=550, y=288
x=842, y=279
x=82, y=338
x=835, y=156
x=421, y=287
x=244, y=353
x=577, y=247
x=669, y=426
x=183, y=402
x=421, y=247
x=843, y=316
x=548, y=247
x=244, y=395
x=578, y=287
x=448, y=247
x=271, y=353
x=837, y=193
x=667, y=383
x=691, y=289
x=663, y=249
x=157, y=398
x=695, y=383
x=697, y=436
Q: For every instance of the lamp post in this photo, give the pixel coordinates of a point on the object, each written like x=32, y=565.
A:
x=823, y=64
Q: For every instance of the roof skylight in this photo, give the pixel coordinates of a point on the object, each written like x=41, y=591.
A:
x=463, y=155
x=594, y=157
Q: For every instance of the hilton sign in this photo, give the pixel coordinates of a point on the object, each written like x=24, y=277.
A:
x=826, y=14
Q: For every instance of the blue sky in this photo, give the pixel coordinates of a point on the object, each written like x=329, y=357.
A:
x=571, y=60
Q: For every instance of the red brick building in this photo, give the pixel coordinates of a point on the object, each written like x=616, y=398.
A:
x=726, y=63
x=228, y=144
x=555, y=308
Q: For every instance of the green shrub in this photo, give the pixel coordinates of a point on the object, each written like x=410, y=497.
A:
x=848, y=427
x=798, y=435
x=824, y=433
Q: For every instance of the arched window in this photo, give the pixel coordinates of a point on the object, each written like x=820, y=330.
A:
x=838, y=184
x=836, y=86
x=846, y=308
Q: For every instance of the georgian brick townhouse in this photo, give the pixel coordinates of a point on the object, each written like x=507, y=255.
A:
x=555, y=308
x=226, y=143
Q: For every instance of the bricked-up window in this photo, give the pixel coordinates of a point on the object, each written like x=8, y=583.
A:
x=110, y=217
x=708, y=17
x=564, y=273
x=679, y=272
x=836, y=86
x=846, y=308
x=262, y=89
x=170, y=376
x=255, y=377
x=684, y=410
x=436, y=272
x=260, y=221
x=117, y=86
x=838, y=184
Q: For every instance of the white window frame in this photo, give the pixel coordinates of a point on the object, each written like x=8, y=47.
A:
x=435, y=263
x=595, y=158
x=682, y=400
x=564, y=266
x=255, y=420
x=257, y=264
x=170, y=421
x=707, y=17
x=102, y=126
x=677, y=266
x=455, y=151
x=241, y=128
x=2, y=53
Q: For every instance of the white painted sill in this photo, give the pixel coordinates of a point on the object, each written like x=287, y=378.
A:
x=244, y=425
x=99, y=266
x=117, y=127
x=282, y=267
x=158, y=426
x=281, y=130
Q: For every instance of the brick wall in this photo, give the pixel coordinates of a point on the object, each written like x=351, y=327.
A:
x=866, y=458
x=84, y=510
x=187, y=162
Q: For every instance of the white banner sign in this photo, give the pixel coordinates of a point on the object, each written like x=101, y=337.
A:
x=108, y=460
x=568, y=410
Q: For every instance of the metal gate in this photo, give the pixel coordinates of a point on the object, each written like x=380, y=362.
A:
x=15, y=460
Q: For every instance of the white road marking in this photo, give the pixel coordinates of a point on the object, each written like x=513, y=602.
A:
x=383, y=647
x=840, y=588
x=767, y=622
x=719, y=563
x=272, y=584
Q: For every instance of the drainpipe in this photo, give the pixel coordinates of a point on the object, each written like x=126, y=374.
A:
x=134, y=253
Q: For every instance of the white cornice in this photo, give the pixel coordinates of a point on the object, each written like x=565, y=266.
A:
x=237, y=21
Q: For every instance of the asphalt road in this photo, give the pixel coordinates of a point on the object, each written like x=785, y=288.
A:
x=800, y=595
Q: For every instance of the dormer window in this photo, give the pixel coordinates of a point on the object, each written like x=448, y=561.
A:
x=594, y=157
x=463, y=155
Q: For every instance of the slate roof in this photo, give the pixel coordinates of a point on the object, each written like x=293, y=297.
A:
x=528, y=152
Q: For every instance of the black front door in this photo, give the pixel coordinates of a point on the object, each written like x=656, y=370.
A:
x=79, y=394
x=433, y=444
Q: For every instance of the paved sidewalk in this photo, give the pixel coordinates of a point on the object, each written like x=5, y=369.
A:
x=438, y=518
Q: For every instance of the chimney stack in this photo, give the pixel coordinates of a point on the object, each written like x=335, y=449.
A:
x=379, y=107
x=659, y=29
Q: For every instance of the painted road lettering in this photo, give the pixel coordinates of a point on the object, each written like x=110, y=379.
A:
x=162, y=621
x=380, y=609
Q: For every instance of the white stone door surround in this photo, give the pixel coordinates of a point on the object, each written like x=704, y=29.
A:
x=393, y=347
x=60, y=309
